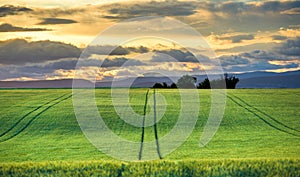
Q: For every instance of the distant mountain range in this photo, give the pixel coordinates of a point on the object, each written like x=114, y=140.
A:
x=247, y=80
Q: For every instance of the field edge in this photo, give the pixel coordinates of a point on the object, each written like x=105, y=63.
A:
x=205, y=167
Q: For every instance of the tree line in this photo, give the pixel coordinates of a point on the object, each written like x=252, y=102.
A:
x=187, y=81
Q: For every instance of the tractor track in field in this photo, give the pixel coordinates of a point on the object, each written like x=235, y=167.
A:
x=23, y=117
x=265, y=114
x=143, y=125
x=154, y=125
x=261, y=117
x=60, y=98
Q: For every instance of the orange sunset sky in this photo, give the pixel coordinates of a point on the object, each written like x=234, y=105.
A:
x=44, y=39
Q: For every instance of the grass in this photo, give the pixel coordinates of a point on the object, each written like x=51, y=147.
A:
x=260, y=128
x=228, y=167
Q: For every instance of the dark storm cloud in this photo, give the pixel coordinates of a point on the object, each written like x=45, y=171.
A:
x=238, y=38
x=293, y=11
x=279, y=37
x=250, y=17
x=231, y=7
x=46, y=67
x=153, y=8
x=10, y=28
x=206, y=16
x=113, y=50
x=242, y=7
x=105, y=50
x=257, y=66
x=279, y=6
x=54, y=21
x=140, y=49
x=170, y=55
x=117, y=62
x=257, y=60
x=290, y=48
x=19, y=51
x=12, y=10
x=71, y=63
x=233, y=60
x=36, y=70
x=263, y=55
x=40, y=70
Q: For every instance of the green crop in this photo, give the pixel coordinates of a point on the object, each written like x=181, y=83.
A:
x=258, y=136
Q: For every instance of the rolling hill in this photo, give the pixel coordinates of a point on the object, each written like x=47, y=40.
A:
x=247, y=80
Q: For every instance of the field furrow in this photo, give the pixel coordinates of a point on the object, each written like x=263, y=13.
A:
x=143, y=125
x=27, y=119
x=258, y=125
x=26, y=115
x=267, y=119
x=265, y=114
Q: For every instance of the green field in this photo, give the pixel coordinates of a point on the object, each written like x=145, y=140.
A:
x=259, y=134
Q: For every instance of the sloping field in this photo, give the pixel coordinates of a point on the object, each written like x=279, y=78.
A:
x=260, y=126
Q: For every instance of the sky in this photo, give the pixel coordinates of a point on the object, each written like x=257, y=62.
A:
x=43, y=40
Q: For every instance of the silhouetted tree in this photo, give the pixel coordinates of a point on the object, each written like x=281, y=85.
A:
x=231, y=81
x=173, y=85
x=186, y=81
x=204, y=84
x=157, y=85
x=165, y=85
x=228, y=81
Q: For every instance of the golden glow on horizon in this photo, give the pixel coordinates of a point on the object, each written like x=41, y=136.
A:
x=92, y=17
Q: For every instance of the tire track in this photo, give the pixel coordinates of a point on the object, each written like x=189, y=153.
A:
x=22, y=118
x=265, y=114
x=37, y=115
x=155, y=126
x=261, y=118
x=143, y=125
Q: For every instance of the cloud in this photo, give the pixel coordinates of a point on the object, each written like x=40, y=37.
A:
x=6, y=10
x=258, y=60
x=105, y=50
x=279, y=37
x=67, y=65
x=205, y=16
x=173, y=54
x=258, y=66
x=235, y=38
x=261, y=7
x=140, y=49
x=233, y=60
x=293, y=11
x=117, y=62
x=113, y=50
x=263, y=55
x=250, y=47
x=10, y=28
x=290, y=48
x=153, y=8
x=19, y=51
x=240, y=38
x=55, y=21
x=245, y=16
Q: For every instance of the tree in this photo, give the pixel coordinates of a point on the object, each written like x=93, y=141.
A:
x=157, y=85
x=204, y=84
x=165, y=85
x=230, y=82
x=186, y=81
x=173, y=85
